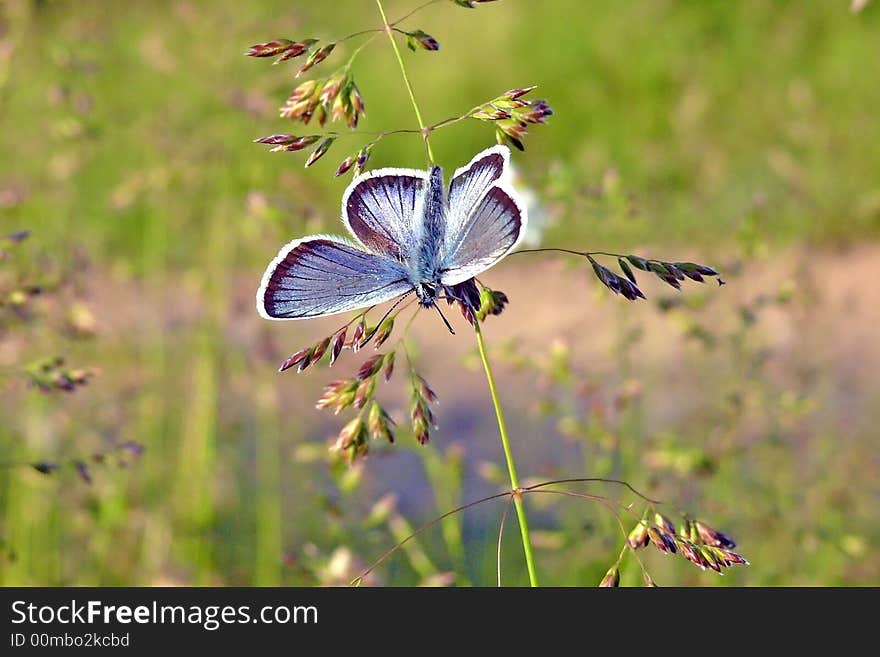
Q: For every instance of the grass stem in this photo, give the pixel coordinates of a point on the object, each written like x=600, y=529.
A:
x=409, y=88
x=511, y=464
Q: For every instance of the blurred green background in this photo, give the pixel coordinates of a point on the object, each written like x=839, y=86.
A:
x=741, y=134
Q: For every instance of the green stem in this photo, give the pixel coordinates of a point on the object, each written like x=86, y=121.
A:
x=585, y=254
x=357, y=51
x=389, y=31
x=417, y=9
x=511, y=465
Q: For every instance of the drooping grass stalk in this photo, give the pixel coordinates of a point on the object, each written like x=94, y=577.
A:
x=500, y=537
x=412, y=95
x=509, y=494
x=508, y=456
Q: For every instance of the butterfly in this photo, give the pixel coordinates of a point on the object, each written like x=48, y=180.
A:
x=407, y=236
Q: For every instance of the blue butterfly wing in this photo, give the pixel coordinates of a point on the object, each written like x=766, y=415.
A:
x=484, y=221
x=383, y=210
x=323, y=275
x=471, y=182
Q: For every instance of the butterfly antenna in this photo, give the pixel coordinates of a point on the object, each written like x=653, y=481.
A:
x=445, y=321
x=388, y=312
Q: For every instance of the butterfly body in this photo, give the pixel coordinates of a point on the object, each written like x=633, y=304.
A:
x=424, y=256
x=408, y=237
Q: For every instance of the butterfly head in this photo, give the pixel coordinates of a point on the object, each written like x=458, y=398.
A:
x=427, y=294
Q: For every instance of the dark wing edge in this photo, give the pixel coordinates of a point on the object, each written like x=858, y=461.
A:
x=381, y=287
